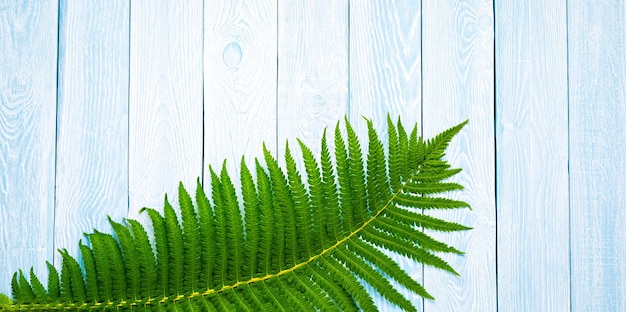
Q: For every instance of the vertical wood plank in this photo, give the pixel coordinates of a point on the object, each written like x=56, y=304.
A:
x=240, y=80
x=312, y=70
x=385, y=77
x=92, y=144
x=165, y=113
x=385, y=61
x=457, y=54
x=532, y=156
x=597, y=72
x=28, y=64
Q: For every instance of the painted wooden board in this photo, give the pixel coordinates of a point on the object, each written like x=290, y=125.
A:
x=458, y=84
x=597, y=72
x=312, y=72
x=28, y=63
x=385, y=62
x=165, y=113
x=240, y=48
x=532, y=156
x=385, y=77
x=92, y=134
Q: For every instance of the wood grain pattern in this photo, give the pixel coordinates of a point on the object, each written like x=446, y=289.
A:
x=385, y=61
x=165, y=114
x=385, y=77
x=312, y=71
x=458, y=84
x=28, y=39
x=240, y=62
x=532, y=156
x=597, y=72
x=92, y=142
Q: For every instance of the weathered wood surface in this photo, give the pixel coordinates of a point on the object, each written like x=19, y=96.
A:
x=312, y=71
x=92, y=119
x=28, y=82
x=240, y=48
x=532, y=154
x=150, y=93
x=458, y=84
x=165, y=107
x=597, y=112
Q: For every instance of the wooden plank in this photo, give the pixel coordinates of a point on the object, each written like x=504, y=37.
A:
x=385, y=77
x=597, y=72
x=92, y=144
x=240, y=42
x=385, y=62
x=532, y=152
x=312, y=71
x=458, y=84
x=165, y=114
x=28, y=64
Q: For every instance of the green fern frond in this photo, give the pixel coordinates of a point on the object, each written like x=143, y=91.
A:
x=307, y=240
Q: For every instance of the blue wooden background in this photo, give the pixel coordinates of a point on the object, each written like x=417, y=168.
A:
x=106, y=105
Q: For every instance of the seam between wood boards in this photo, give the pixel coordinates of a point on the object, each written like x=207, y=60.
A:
x=56, y=128
x=569, y=177
x=495, y=144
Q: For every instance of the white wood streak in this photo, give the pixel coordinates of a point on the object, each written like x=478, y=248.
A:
x=385, y=77
x=92, y=143
x=165, y=114
x=532, y=152
x=28, y=46
x=239, y=82
x=597, y=92
x=458, y=84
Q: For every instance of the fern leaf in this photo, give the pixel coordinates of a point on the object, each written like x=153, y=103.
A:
x=5, y=300
x=117, y=268
x=89, y=263
x=162, y=251
x=145, y=258
x=27, y=294
x=287, y=237
x=346, y=279
x=234, y=227
x=411, y=235
x=221, y=248
x=394, y=153
x=432, y=187
x=175, y=247
x=308, y=240
x=268, y=264
x=334, y=226
x=424, y=221
x=337, y=293
x=357, y=177
x=378, y=188
x=206, y=224
x=374, y=278
x=387, y=265
x=345, y=188
x=319, y=209
x=305, y=218
x=72, y=285
x=403, y=145
x=38, y=289
x=71, y=266
x=129, y=253
x=191, y=241
x=54, y=286
x=252, y=222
